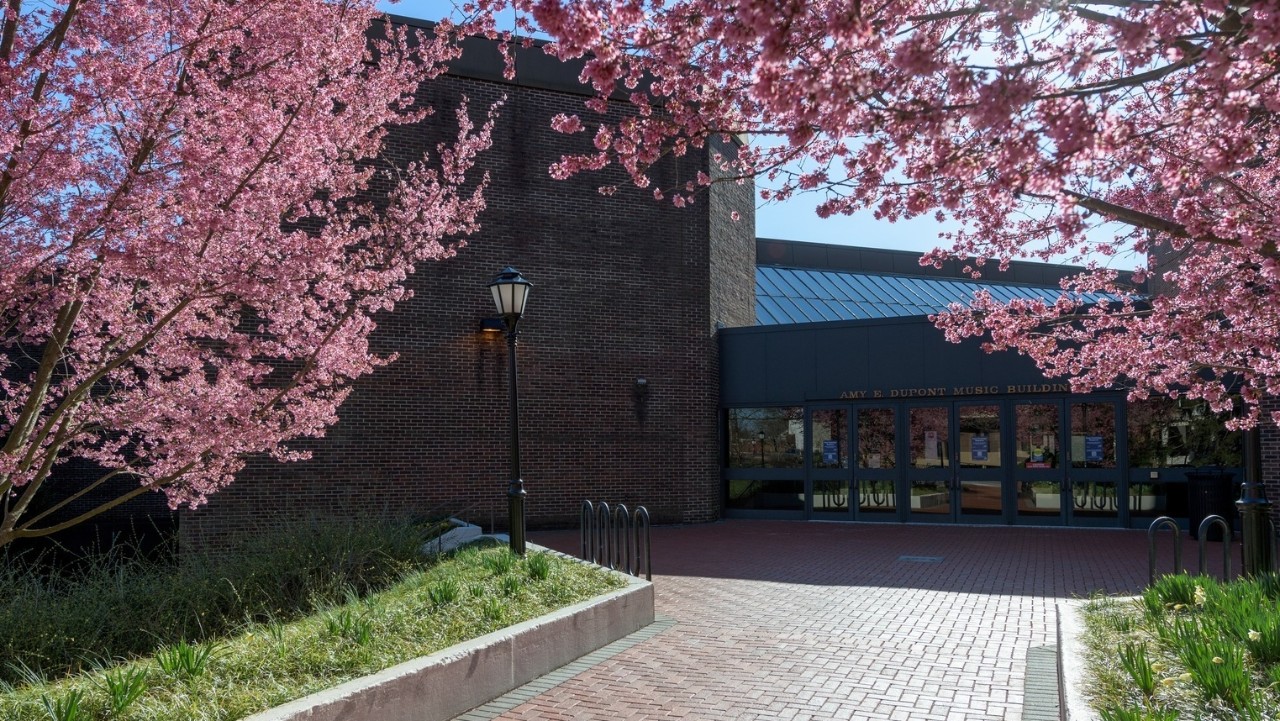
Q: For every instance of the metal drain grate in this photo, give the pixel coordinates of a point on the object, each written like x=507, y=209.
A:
x=920, y=559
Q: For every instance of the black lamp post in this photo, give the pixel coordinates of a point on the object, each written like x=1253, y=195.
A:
x=510, y=291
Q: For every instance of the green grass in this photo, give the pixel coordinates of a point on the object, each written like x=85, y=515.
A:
x=1189, y=648
x=65, y=617
x=350, y=625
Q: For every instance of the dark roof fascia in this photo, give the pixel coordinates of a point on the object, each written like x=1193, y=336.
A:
x=826, y=325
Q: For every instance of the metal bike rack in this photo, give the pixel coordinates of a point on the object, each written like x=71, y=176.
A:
x=1156, y=525
x=616, y=538
x=1207, y=524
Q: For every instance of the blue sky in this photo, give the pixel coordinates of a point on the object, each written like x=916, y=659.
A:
x=794, y=219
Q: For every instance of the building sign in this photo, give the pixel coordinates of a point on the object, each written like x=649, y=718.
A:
x=1093, y=449
x=978, y=446
x=831, y=452
x=947, y=391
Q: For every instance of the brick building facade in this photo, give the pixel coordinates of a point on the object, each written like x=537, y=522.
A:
x=624, y=288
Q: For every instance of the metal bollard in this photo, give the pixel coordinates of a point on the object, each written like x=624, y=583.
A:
x=1255, y=512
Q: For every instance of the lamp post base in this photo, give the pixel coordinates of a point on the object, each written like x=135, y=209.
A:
x=515, y=516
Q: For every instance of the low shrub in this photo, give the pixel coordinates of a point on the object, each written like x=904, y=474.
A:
x=56, y=620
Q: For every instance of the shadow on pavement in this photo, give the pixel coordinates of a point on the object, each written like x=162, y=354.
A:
x=1042, y=562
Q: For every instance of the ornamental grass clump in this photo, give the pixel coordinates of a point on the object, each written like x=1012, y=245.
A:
x=1133, y=657
x=272, y=659
x=184, y=660
x=62, y=618
x=1218, y=670
x=124, y=685
x=538, y=565
x=1189, y=647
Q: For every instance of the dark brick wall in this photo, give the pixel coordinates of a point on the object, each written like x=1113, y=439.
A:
x=1270, y=436
x=625, y=287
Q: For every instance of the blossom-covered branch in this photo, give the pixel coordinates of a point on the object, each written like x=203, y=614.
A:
x=190, y=252
x=1082, y=130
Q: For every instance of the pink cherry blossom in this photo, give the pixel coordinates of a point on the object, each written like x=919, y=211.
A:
x=1148, y=131
x=189, y=261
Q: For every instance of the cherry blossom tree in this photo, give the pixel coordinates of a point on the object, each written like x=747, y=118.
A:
x=190, y=252
x=1079, y=129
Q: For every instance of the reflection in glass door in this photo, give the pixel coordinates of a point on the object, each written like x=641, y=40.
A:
x=829, y=463
x=1038, y=468
x=979, y=476
x=929, y=469
x=1094, y=475
x=876, y=473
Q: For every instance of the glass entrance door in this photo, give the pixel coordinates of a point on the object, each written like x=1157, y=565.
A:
x=1093, y=478
x=979, y=486
x=956, y=462
x=1038, y=467
x=930, y=472
x=876, y=468
x=829, y=464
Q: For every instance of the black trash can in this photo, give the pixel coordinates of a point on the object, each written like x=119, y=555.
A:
x=1211, y=493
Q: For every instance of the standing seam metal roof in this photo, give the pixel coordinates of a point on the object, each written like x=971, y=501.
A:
x=799, y=295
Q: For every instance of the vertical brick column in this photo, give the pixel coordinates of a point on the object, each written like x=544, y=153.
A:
x=1270, y=436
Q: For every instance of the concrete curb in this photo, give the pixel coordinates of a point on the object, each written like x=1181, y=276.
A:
x=1071, y=655
x=448, y=683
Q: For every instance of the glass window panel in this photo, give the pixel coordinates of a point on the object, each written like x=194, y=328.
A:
x=1164, y=432
x=830, y=427
x=830, y=496
x=782, y=495
x=1155, y=498
x=979, y=436
x=1093, y=435
x=876, y=442
x=1036, y=426
x=765, y=437
x=877, y=495
x=929, y=437
x=1095, y=499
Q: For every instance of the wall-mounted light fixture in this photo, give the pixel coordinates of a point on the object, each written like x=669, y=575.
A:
x=640, y=397
x=493, y=325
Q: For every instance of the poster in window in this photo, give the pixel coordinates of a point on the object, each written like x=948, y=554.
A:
x=978, y=447
x=831, y=452
x=1093, y=449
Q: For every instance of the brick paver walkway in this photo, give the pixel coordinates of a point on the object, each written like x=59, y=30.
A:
x=783, y=620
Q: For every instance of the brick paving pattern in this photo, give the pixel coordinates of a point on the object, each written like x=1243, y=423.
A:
x=789, y=620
